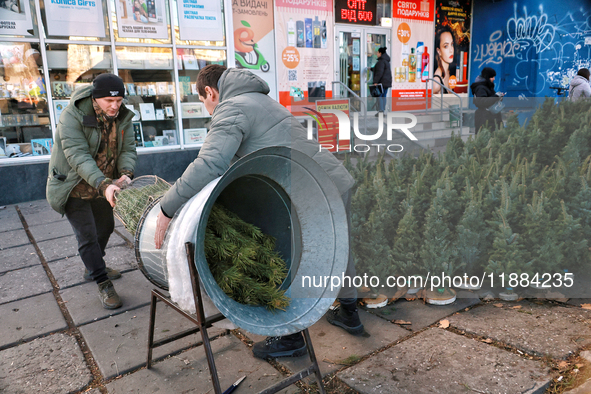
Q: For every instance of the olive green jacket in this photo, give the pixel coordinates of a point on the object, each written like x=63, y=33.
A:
x=246, y=120
x=76, y=144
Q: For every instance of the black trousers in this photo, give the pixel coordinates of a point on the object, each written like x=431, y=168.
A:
x=348, y=294
x=93, y=224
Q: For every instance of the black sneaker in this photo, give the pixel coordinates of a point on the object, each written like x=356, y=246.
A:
x=111, y=274
x=108, y=296
x=347, y=318
x=288, y=346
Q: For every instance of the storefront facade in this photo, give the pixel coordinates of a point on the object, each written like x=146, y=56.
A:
x=306, y=50
x=50, y=49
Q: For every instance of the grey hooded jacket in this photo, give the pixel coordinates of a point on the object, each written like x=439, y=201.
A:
x=579, y=88
x=244, y=121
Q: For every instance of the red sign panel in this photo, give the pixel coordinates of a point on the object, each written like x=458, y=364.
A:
x=361, y=12
x=421, y=10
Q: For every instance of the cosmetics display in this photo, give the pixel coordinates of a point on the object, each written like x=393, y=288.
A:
x=307, y=33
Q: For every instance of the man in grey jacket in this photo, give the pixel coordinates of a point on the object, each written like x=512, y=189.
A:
x=246, y=119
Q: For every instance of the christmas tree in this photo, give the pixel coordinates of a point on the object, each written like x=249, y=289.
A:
x=407, y=244
x=437, y=253
x=472, y=235
x=539, y=239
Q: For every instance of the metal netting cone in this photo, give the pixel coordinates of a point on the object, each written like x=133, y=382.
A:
x=136, y=197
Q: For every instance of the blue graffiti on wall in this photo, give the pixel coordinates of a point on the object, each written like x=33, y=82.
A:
x=532, y=51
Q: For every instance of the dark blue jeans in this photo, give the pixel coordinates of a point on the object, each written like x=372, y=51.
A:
x=93, y=223
x=382, y=100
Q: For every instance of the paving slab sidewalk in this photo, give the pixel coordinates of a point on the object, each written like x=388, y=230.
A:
x=535, y=329
x=22, y=283
x=9, y=219
x=59, y=248
x=12, y=238
x=119, y=343
x=189, y=372
x=18, y=257
x=334, y=347
x=48, y=365
x=39, y=212
x=84, y=305
x=438, y=361
x=422, y=315
x=69, y=271
x=30, y=318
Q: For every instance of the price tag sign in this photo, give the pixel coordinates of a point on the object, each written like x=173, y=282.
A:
x=290, y=57
x=403, y=33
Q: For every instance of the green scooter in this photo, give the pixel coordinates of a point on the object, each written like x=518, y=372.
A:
x=252, y=60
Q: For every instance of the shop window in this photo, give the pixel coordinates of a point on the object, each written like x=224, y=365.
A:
x=17, y=19
x=148, y=77
x=383, y=10
x=195, y=118
x=24, y=120
x=72, y=67
x=141, y=21
x=75, y=20
x=221, y=31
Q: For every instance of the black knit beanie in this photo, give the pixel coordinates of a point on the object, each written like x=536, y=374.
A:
x=488, y=73
x=107, y=85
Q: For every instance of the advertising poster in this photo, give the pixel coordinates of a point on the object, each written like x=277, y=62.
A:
x=200, y=20
x=15, y=18
x=412, y=52
x=142, y=19
x=305, y=47
x=254, y=41
x=452, y=24
x=82, y=18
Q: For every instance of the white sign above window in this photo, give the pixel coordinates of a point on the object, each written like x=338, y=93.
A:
x=200, y=20
x=142, y=19
x=82, y=18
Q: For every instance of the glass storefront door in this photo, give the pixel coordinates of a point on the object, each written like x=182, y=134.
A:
x=356, y=51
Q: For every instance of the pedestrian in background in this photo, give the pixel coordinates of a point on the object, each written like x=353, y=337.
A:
x=93, y=156
x=579, y=85
x=485, y=97
x=382, y=74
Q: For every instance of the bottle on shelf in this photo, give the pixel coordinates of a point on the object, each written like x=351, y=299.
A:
x=420, y=50
x=291, y=33
x=316, y=27
x=412, y=66
x=425, y=65
x=405, y=61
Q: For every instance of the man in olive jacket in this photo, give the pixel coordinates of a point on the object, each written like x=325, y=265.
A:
x=93, y=155
x=246, y=119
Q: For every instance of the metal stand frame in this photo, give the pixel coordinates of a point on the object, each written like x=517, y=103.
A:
x=203, y=324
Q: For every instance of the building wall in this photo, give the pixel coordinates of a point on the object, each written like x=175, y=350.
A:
x=533, y=45
x=22, y=183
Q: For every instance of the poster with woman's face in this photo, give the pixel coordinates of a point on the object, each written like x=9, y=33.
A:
x=142, y=19
x=452, y=23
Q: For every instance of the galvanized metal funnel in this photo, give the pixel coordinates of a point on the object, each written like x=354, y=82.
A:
x=290, y=197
